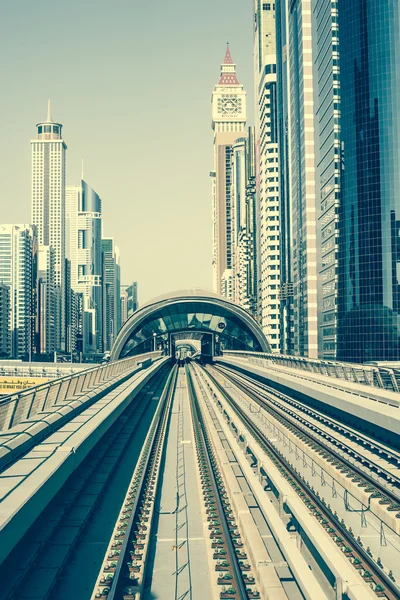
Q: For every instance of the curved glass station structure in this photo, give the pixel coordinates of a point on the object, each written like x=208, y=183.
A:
x=192, y=314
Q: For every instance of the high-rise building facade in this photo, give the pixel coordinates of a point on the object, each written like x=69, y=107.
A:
x=129, y=300
x=328, y=166
x=299, y=207
x=84, y=251
x=228, y=122
x=18, y=270
x=46, y=299
x=285, y=212
x=48, y=206
x=369, y=220
x=265, y=80
x=124, y=304
x=5, y=307
x=243, y=194
x=111, y=291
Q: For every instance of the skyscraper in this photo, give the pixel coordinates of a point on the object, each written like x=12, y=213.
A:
x=285, y=220
x=45, y=326
x=129, y=300
x=18, y=264
x=5, y=338
x=84, y=250
x=243, y=194
x=48, y=206
x=296, y=81
x=327, y=153
x=268, y=175
x=228, y=121
x=111, y=291
x=369, y=219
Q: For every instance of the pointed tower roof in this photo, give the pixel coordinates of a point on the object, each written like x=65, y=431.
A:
x=228, y=70
x=228, y=58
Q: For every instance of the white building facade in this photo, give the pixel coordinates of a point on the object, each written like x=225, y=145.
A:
x=268, y=170
x=18, y=259
x=48, y=207
x=84, y=251
x=228, y=122
x=46, y=299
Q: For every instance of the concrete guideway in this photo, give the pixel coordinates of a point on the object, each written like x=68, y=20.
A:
x=348, y=580
x=370, y=408
x=28, y=485
x=178, y=550
x=366, y=517
x=265, y=564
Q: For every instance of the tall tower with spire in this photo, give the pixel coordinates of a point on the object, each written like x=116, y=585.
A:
x=48, y=206
x=228, y=124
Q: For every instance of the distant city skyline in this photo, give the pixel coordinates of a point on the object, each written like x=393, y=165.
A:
x=121, y=113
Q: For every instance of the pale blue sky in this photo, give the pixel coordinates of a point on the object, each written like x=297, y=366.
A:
x=131, y=82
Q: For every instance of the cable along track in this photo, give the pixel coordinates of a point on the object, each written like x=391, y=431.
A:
x=379, y=581
x=228, y=551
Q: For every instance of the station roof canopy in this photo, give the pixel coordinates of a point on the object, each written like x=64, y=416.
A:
x=193, y=312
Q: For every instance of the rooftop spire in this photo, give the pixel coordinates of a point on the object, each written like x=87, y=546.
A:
x=228, y=58
x=228, y=70
x=49, y=111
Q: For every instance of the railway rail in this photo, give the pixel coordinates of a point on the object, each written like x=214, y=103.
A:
x=123, y=571
x=381, y=583
x=297, y=418
x=45, y=563
x=228, y=551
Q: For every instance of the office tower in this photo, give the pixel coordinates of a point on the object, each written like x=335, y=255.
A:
x=46, y=299
x=18, y=270
x=84, y=251
x=268, y=164
x=369, y=222
x=297, y=77
x=243, y=194
x=111, y=291
x=283, y=137
x=48, y=206
x=327, y=154
x=5, y=338
x=228, y=121
x=124, y=304
x=131, y=291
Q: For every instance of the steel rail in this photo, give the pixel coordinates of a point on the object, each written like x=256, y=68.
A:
x=317, y=441
x=310, y=497
x=154, y=444
x=203, y=444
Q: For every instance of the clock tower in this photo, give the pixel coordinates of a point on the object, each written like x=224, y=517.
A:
x=229, y=124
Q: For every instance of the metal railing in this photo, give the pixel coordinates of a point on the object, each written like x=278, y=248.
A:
x=387, y=378
x=53, y=395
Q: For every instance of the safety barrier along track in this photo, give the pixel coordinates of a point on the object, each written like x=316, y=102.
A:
x=380, y=582
x=124, y=569
x=38, y=564
x=228, y=550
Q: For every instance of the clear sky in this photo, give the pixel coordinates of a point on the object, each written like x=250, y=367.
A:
x=131, y=82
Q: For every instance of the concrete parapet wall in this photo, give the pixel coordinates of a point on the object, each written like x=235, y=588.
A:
x=64, y=451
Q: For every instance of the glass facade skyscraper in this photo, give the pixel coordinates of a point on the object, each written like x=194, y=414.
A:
x=369, y=241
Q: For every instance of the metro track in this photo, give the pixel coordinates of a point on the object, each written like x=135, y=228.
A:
x=381, y=583
x=42, y=564
x=226, y=543
x=296, y=417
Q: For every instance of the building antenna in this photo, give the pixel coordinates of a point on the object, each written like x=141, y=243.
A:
x=82, y=169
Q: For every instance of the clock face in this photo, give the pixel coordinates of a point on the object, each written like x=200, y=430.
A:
x=229, y=105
